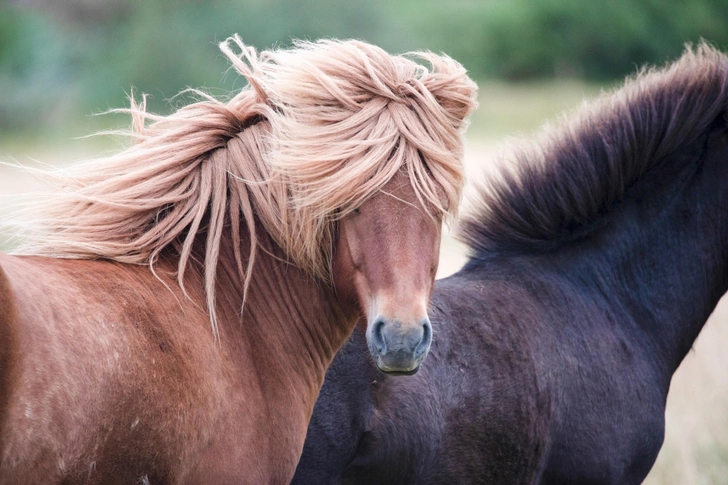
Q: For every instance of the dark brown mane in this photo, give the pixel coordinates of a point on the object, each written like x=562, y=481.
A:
x=556, y=189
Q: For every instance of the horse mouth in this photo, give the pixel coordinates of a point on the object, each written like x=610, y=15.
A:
x=397, y=372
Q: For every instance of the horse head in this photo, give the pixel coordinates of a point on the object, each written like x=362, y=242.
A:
x=386, y=258
x=370, y=149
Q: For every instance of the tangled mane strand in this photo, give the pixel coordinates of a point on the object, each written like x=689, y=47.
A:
x=319, y=129
x=553, y=190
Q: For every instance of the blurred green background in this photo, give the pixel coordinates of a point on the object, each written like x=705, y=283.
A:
x=63, y=60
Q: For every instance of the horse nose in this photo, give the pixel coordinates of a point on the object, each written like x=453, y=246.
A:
x=424, y=346
x=399, y=348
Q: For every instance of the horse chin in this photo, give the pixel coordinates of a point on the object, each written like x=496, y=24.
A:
x=397, y=368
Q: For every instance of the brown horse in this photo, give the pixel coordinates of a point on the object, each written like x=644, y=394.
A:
x=311, y=198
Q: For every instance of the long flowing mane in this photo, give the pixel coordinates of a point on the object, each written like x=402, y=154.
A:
x=553, y=190
x=319, y=129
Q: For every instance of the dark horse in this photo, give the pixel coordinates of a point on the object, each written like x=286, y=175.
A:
x=598, y=253
x=282, y=216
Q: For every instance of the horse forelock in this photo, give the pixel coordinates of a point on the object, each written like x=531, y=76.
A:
x=544, y=193
x=319, y=129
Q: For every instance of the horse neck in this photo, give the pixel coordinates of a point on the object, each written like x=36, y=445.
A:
x=290, y=325
x=663, y=253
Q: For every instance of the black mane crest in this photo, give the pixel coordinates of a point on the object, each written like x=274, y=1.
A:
x=554, y=189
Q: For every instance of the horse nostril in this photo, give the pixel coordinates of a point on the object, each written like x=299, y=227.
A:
x=378, y=337
x=424, y=344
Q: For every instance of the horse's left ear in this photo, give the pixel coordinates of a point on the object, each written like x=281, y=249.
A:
x=452, y=88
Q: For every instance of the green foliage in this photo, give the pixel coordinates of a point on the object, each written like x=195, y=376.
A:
x=524, y=39
x=597, y=40
x=64, y=59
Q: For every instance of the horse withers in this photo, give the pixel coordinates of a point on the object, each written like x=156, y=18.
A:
x=173, y=308
x=597, y=254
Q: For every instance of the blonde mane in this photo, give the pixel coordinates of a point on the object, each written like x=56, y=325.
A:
x=319, y=129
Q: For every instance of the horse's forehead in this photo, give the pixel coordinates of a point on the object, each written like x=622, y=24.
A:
x=401, y=188
x=395, y=193
x=400, y=185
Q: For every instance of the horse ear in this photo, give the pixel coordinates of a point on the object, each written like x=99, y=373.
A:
x=459, y=103
x=452, y=88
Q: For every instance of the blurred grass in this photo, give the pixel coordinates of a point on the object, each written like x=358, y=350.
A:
x=696, y=444
x=508, y=109
x=61, y=58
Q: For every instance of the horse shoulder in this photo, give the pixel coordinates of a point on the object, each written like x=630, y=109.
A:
x=68, y=330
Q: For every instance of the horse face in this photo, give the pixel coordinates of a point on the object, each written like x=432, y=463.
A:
x=386, y=259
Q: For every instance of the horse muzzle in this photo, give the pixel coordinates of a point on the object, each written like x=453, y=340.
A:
x=399, y=348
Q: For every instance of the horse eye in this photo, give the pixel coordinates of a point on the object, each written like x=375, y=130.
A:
x=356, y=211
